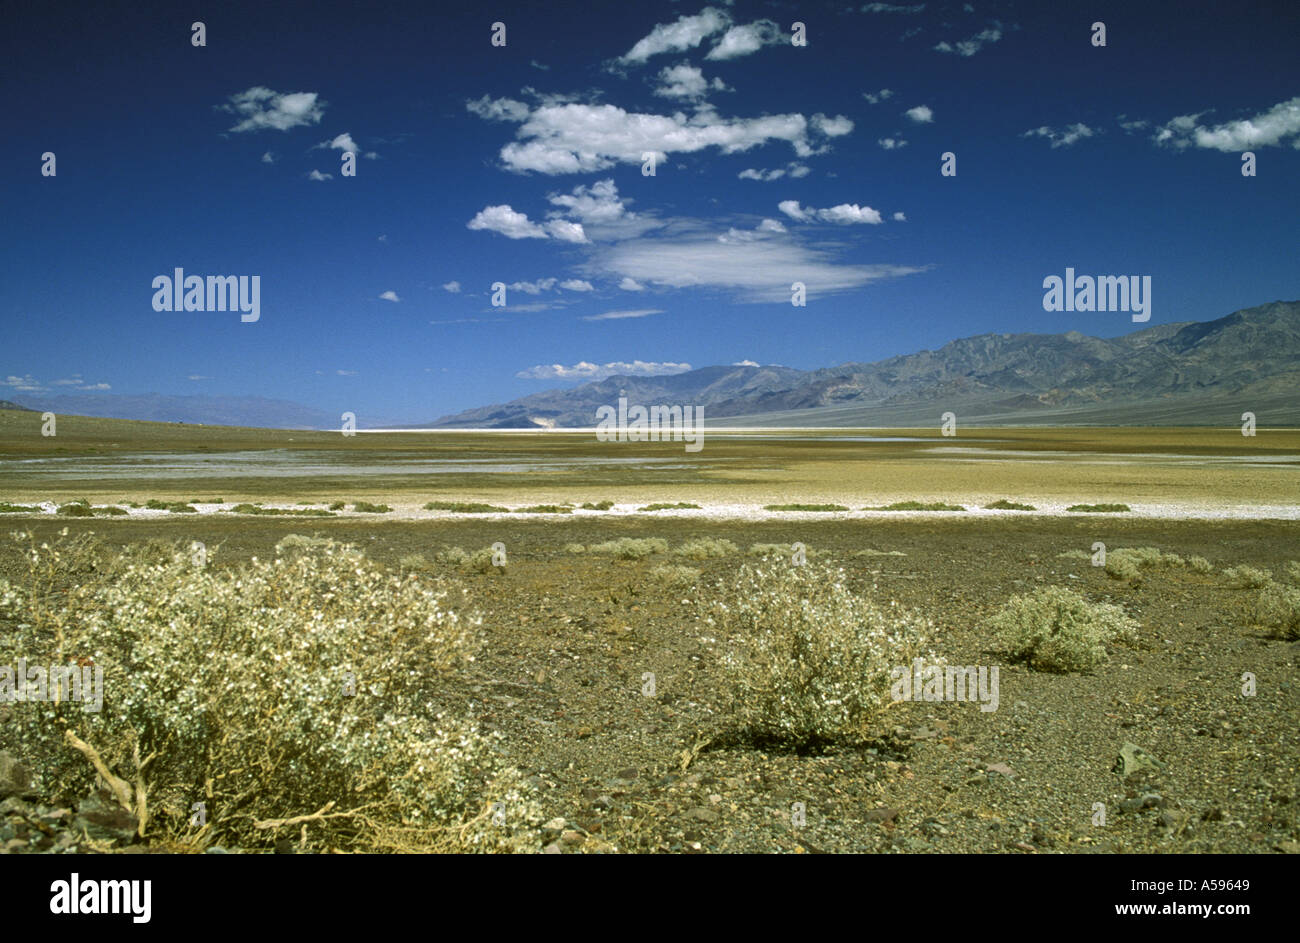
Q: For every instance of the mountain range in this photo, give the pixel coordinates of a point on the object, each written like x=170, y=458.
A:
x=1185, y=373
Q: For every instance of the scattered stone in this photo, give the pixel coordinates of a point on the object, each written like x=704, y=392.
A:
x=704, y=815
x=1288, y=847
x=1132, y=759
x=883, y=815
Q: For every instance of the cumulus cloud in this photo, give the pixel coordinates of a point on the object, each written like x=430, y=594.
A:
x=771, y=225
x=831, y=127
x=390, y=295
x=1267, y=129
x=631, y=284
x=565, y=138
x=260, y=108
x=598, y=203
x=745, y=363
x=317, y=175
x=594, y=371
x=875, y=98
x=921, y=114
x=844, y=213
x=900, y=218
x=686, y=33
x=268, y=158
x=687, y=82
x=577, y=284
x=1063, y=137
x=968, y=47
x=891, y=144
x=342, y=142
x=452, y=286
x=744, y=40
x=508, y=222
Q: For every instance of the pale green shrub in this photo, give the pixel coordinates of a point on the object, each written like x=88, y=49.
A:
x=1247, y=577
x=1292, y=571
x=785, y=551
x=809, y=660
x=1278, y=607
x=1056, y=629
x=671, y=575
x=574, y=548
x=1122, y=567
x=1200, y=564
x=706, y=548
x=478, y=561
x=269, y=690
x=631, y=548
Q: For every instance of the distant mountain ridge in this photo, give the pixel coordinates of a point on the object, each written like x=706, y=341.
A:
x=208, y=410
x=1191, y=372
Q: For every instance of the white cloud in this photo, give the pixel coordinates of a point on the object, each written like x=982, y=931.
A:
x=891, y=144
x=844, y=213
x=498, y=109
x=756, y=270
x=514, y=225
x=631, y=284
x=831, y=127
x=342, y=142
x=968, y=47
x=317, y=175
x=921, y=114
x=593, y=371
x=390, y=295
x=1267, y=129
x=623, y=315
x=743, y=40
x=892, y=8
x=900, y=218
x=686, y=81
x=745, y=363
x=453, y=287
x=534, y=288
x=686, y=33
x=576, y=138
x=875, y=98
x=197, y=376
x=598, y=203
x=793, y=170
x=268, y=158
x=771, y=225
x=1064, y=137
x=261, y=108
x=577, y=284
x=346, y=373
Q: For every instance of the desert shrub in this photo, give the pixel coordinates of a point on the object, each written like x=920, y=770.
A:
x=414, y=561
x=1098, y=508
x=1247, y=577
x=804, y=507
x=672, y=575
x=706, y=548
x=175, y=507
x=596, y=505
x=1004, y=505
x=878, y=553
x=1200, y=564
x=75, y=509
x=809, y=660
x=477, y=561
x=630, y=548
x=546, y=509
x=1056, y=629
x=336, y=506
x=1278, y=607
x=464, y=507
x=1292, y=570
x=269, y=690
x=575, y=548
x=680, y=506
x=365, y=507
x=1075, y=555
x=111, y=510
x=279, y=512
x=1126, y=563
x=301, y=543
x=917, y=506
x=7, y=508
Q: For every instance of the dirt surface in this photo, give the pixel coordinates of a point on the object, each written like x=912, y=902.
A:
x=570, y=638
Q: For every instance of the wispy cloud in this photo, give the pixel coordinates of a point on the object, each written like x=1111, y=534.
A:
x=623, y=315
x=1063, y=137
x=600, y=371
x=262, y=109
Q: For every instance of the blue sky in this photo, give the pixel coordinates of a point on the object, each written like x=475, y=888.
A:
x=521, y=164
